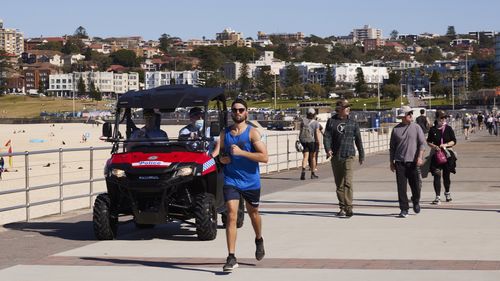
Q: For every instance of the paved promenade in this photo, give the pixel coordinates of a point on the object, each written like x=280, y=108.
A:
x=303, y=238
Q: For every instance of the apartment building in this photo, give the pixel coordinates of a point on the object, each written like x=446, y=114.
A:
x=232, y=70
x=155, y=79
x=298, y=36
x=372, y=44
x=11, y=40
x=346, y=73
x=64, y=85
x=367, y=32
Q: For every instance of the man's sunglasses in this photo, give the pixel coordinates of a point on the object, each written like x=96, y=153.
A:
x=240, y=110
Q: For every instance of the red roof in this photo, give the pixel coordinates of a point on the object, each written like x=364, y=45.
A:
x=116, y=68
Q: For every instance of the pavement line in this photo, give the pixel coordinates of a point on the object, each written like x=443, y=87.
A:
x=362, y=264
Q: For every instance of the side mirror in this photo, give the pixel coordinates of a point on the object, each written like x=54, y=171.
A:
x=214, y=129
x=107, y=130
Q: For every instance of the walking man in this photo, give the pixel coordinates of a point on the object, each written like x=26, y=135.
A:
x=423, y=122
x=406, y=149
x=241, y=151
x=309, y=138
x=341, y=134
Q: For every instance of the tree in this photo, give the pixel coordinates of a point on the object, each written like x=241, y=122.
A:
x=394, y=34
x=315, y=90
x=315, y=54
x=329, y=79
x=392, y=91
x=3, y=66
x=73, y=46
x=265, y=80
x=53, y=45
x=81, y=32
x=450, y=32
x=41, y=87
x=211, y=58
x=292, y=75
x=243, y=79
x=81, y=87
x=360, y=85
x=394, y=78
x=475, y=79
x=282, y=52
x=435, y=77
x=124, y=57
x=490, y=79
x=295, y=91
x=166, y=43
x=95, y=94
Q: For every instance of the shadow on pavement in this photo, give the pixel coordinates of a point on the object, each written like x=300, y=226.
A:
x=190, y=266
x=79, y=231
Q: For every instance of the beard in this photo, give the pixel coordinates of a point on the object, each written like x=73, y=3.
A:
x=239, y=119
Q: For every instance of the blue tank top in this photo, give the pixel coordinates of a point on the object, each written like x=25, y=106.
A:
x=242, y=172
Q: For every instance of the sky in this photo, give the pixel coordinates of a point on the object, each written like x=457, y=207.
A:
x=193, y=19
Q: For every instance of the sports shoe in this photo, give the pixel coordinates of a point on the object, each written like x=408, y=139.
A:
x=314, y=176
x=416, y=208
x=259, y=249
x=303, y=175
x=436, y=201
x=447, y=195
x=349, y=213
x=341, y=214
x=403, y=214
x=231, y=264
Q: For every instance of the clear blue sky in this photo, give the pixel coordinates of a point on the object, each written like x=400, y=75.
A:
x=196, y=18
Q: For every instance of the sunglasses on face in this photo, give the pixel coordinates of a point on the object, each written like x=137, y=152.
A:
x=240, y=110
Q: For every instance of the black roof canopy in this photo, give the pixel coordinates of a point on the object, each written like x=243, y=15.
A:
x=170, y=97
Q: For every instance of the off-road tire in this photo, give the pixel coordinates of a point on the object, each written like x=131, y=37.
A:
x=241, y=215
x=105, y=225
x=205, y=215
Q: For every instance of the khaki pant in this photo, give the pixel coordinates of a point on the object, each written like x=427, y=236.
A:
x=342, y=172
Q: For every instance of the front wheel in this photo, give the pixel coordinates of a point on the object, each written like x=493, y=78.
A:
x=105, y=224
x=205, y=215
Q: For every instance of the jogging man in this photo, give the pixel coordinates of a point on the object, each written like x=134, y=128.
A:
x=241, y=151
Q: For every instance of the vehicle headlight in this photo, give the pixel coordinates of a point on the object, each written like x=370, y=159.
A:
x=119, y=173
x=184, y=171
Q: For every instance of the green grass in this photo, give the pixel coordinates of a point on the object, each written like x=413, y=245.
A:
x=30, y=107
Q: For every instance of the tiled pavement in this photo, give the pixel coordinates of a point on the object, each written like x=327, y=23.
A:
x=304, y=239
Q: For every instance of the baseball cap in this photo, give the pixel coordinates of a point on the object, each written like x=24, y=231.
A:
x=441, y=114
x=404, y=111
x=195, y=111
x=311, y=111
x=148, y=111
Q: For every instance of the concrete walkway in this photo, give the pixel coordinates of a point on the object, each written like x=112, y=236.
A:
x=304, y=240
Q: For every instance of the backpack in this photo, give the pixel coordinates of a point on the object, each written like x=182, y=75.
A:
x=306, y=134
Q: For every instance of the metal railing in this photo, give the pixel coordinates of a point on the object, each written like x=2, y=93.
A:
x=282, y=156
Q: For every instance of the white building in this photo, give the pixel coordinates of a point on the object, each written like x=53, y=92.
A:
x=346, y=73
x=366, y=32
x=64, y=85
x=11, y=40
x=155, y=79
x=232, y=70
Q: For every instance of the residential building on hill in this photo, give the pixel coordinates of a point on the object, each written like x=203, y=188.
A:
x=11, y=40
x=497, y=53
x=367, y=32
x=155, y=79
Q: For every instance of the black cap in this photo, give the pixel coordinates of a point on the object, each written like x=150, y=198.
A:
x=195, y=111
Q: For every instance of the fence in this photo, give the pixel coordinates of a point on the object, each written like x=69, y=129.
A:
x=74, y=189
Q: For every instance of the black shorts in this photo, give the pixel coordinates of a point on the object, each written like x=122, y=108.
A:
x=310, y=147
x=251, y=196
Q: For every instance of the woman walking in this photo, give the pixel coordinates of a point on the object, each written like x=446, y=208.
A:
x=442, y=137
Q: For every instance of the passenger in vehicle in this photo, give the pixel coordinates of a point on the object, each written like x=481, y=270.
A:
x=151, y=129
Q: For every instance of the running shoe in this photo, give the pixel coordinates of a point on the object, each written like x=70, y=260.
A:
x=259, y=249
x=231, y=264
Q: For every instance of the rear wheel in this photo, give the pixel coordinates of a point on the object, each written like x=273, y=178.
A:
x=105, y=224
x=241, y=215
x=205, y=215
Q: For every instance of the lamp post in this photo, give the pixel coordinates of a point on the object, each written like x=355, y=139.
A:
x=401, y=87
x=378, y=88
x=430, y=94
x=452, y=93
x=275, y=91
x=364, y=106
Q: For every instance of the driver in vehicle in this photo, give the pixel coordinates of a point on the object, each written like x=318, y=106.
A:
x=193, y=131
x=151, y=129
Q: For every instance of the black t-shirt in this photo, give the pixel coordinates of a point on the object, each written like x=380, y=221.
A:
x=435, y=135
x=424, y=124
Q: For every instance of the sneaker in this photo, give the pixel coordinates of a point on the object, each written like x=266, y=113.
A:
x=349, y=213
x=314, y=176
x=259, y=249
x=303, y=175
x=341, y=214
x=448, y=196
x=403, y=214
x=231, y=264
x=436, y=201
x=416, y=208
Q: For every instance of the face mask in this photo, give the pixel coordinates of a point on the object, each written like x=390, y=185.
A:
x=198, y=124
x=442, y=122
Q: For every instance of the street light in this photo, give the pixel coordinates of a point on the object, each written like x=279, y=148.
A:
x=401, y=86
x=453, y=93
x=378, y=88
x=364, y=106
x=430, y=94
x=275, y=107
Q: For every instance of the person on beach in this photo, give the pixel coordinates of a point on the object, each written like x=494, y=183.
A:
x=342, y=136
x=242, y=149
x=406, y=150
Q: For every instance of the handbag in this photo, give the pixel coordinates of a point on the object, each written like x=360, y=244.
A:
x=440, y=155
x=298, y=146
